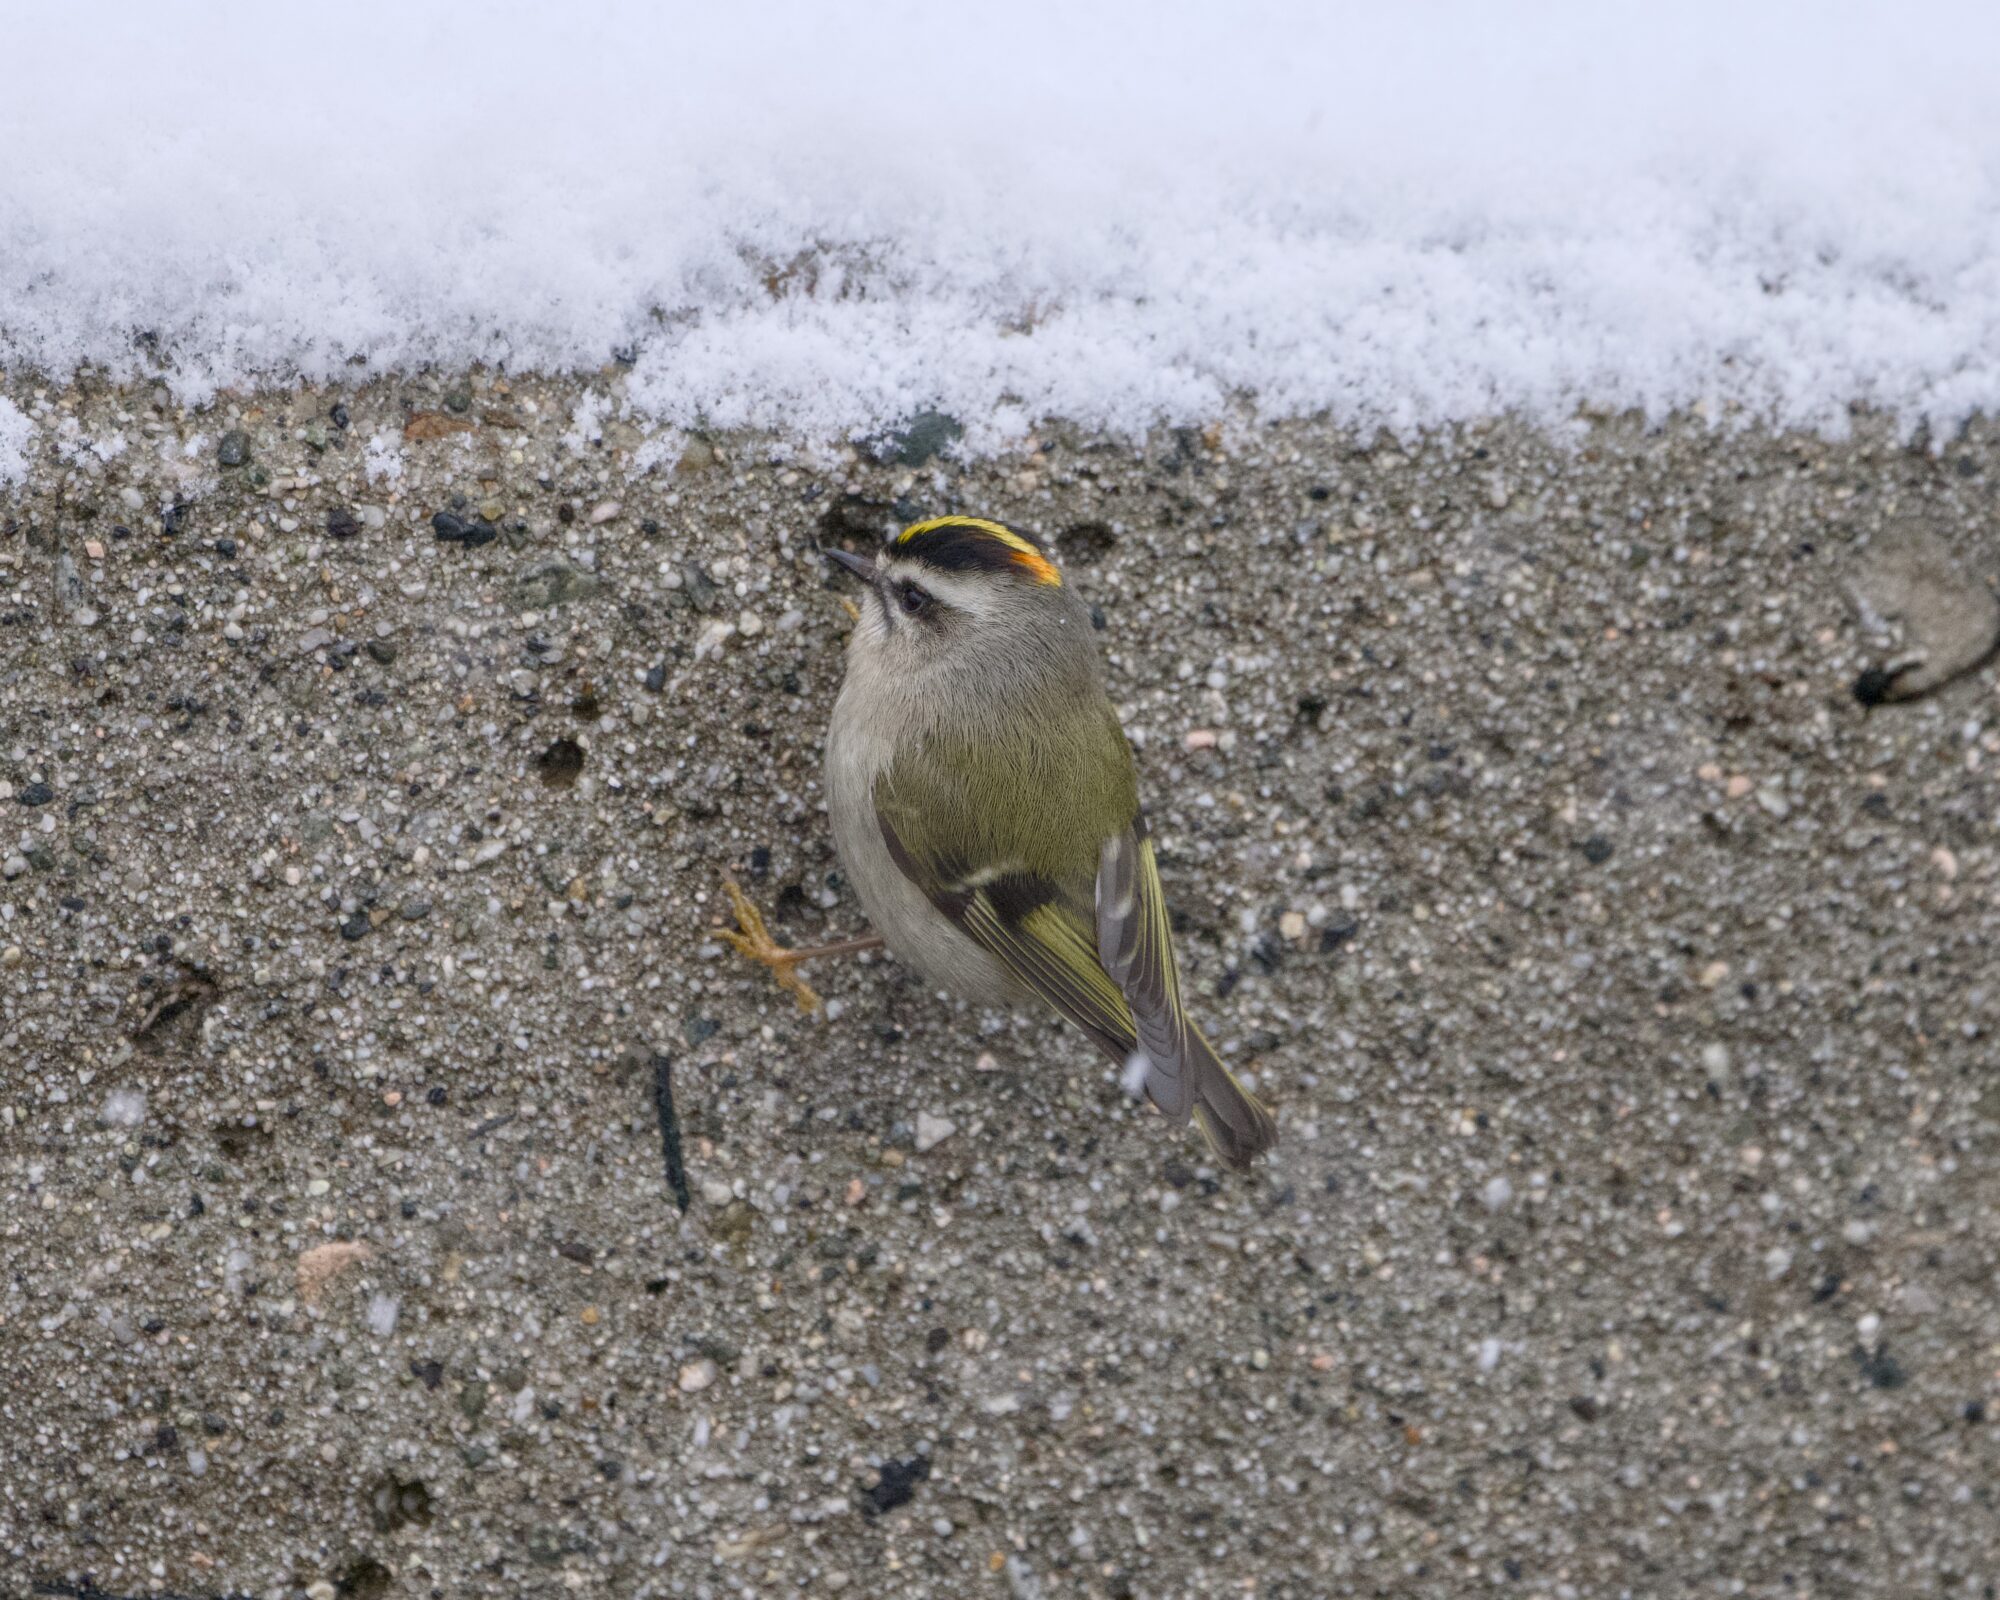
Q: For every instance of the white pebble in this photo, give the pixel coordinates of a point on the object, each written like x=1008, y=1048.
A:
x=933, y=1131
x=712, y=639
x=698, y=1375
x=1497, y=1193
x=1489, y=1354
x=383, y=1309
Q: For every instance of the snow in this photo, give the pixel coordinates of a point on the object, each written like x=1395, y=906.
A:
x=123, y=1108
x=17, y=436
x=819, y=219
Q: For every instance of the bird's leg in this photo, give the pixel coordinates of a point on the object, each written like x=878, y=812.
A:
x=755, y=941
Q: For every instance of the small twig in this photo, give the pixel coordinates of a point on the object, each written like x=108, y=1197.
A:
x=491, y=1123
x=670, y=1129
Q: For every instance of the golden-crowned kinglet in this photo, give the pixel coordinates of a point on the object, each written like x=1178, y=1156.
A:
x=986, y=810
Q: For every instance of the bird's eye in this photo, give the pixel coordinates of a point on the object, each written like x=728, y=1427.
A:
x=915, y=598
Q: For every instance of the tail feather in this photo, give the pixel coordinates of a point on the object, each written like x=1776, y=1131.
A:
x=1237, y=1125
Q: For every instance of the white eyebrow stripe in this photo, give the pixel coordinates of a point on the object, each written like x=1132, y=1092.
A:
x=966, y=592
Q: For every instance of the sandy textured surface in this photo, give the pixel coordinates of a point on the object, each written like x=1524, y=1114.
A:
x=1627, y=989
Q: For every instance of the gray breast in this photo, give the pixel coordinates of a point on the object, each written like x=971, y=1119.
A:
x=858, y=750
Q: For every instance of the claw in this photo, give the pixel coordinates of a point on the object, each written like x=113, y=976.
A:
x=755, y=941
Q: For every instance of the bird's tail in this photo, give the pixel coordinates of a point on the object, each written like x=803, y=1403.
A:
x=1237, y=1125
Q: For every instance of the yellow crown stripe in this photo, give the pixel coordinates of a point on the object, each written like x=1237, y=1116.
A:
x=1024, y=553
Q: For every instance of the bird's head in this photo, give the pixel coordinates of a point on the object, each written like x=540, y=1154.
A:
x=961, y=591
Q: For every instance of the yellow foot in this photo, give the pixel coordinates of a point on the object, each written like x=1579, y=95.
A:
x=755, y=941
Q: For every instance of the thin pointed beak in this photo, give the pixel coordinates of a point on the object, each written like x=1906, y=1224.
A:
x=861, y=566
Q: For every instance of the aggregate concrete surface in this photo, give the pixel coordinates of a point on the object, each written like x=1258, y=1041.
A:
x=1626, y=987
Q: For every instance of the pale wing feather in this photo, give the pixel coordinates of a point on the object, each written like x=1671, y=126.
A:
x=1135, y=944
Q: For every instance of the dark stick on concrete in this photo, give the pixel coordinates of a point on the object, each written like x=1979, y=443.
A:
x=88, y=1590
x=670, y=1129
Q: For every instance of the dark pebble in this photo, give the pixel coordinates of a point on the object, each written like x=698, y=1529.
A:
x=431, y=1373
x=1336, y=934
x=929, y=433
x=698, y=1029
x=36, y=794
x=1596, y=849
x=355, y=926
x=656, y=678
x=1880, y=1368
x=339, y=416
x=415, y=910
x=342, y=523
x=898, y=1486
x=701, y=589
x=226, y=548
x=470, y=532
x=381, y=650
x=234, y=449
x=1873, y=686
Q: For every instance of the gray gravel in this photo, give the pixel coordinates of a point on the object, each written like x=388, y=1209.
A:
x=1625, y=986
